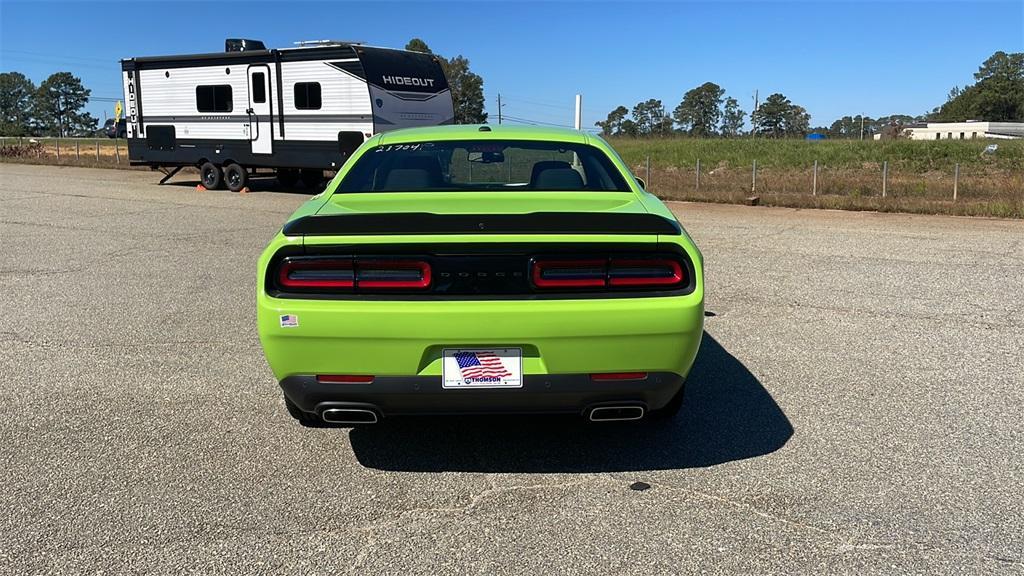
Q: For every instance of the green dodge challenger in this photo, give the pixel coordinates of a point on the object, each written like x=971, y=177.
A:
x=481, y=269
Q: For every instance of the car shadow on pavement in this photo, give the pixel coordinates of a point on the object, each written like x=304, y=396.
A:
x=727, y=415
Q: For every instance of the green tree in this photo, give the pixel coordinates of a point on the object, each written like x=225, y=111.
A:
x=777, y=117
x=849, y=127
x=58, y=104
x=16, y=94
x=732, y=119
x=996, y=96
x=650, y=118
x=467, y=92
x=629, y=128
x=612, y=125
x=700, y=110
x=418, y=45
x=466, y=86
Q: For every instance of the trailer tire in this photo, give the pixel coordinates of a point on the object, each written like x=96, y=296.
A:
x=236, y=177
x=287, y=177
x=211, y=176
x=311, y=179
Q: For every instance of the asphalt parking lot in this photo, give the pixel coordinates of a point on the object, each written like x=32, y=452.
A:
x=856, y=407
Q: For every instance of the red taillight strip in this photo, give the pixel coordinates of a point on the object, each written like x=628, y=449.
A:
x=609, y=273
x=619, y=376
x=418, y=283
x=343, y=379
x=617, y=265
x=288, y=266
x=353, y=274
x=542, y=266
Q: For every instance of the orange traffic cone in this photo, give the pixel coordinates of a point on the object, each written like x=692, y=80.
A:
x=200, y=188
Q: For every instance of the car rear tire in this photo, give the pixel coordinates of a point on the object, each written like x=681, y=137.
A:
x=312, y=179
x=287, y=177
x=668, y=411
x=235, y=177
x=304, y=418
x=211, y=176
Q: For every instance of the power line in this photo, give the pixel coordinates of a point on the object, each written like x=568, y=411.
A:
x=535, y=122
x=62, y=63
x=58, y=56
x=539, y=103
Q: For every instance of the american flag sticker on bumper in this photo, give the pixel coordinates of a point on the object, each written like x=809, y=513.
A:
x=483, y=368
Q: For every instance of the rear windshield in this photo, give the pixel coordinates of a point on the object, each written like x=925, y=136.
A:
x=510, y=165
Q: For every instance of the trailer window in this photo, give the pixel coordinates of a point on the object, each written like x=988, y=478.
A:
x=213, y=98
x=259, y=88
x=307, y=96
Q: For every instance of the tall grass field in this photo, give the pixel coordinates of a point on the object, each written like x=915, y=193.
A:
x=888, y=175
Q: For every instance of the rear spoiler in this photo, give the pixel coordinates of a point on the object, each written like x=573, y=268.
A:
x=415, y=223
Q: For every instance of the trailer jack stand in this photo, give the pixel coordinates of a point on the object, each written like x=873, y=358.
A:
x=169, y=175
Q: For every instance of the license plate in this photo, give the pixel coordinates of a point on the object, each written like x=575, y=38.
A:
x=482, y=368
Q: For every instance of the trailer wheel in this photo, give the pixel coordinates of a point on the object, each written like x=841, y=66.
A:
x=312, y=179
x=211, y=176
x=236, y=177
x=287, y=177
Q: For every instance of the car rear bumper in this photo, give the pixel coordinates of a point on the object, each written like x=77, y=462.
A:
x=424, y=395
x=404, y=339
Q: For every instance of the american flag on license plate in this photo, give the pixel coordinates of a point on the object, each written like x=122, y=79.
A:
x=481, y=365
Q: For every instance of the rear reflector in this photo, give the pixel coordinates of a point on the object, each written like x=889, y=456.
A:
x=343, y=379
x=347, y=274
x=620, y=376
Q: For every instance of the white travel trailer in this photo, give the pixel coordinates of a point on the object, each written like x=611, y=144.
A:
x=298, y=111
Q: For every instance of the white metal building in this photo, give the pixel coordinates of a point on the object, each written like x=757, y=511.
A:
x=965, y=130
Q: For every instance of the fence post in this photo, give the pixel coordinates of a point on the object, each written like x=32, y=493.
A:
x=97, y=150
x=956, y=180
x=56, y=144
x=814, y=185
x=753, y=177
x=117, y=151
x=78, y=151
x=698, y=173
x=885, y=176
x=647, y=180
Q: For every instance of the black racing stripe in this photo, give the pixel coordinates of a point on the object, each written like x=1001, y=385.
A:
x=532, y=223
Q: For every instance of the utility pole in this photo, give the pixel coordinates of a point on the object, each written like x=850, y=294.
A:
x=499, y=108
x=579, y=112
x=861, y=126
x=753, y=128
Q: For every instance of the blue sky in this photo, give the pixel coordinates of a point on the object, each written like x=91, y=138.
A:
x=833, y=58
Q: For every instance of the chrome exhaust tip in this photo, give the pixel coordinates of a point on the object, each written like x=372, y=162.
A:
x=620, y=413
x=350, y=416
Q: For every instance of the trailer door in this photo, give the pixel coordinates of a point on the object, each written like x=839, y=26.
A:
x=260, y=120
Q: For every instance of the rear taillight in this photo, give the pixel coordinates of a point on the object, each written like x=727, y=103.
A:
x=644, y=272
x=607, y=273
x=413, y=274
x=569, y=273
x=352, y=274
x=316, y=274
